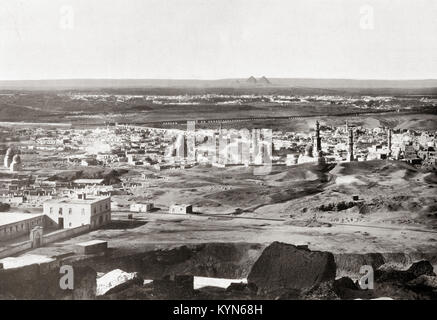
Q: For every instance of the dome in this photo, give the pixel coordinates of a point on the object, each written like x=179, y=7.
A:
x=16, y=159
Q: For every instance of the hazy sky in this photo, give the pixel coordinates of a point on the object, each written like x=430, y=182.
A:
x=210, y=39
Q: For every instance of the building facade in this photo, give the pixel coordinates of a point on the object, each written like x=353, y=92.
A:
x=72, y=213
x=141, y=207
x=181, y=208
x=14, y=225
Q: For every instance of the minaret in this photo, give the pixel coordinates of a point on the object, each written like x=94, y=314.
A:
x=228, y=150
x=8, y=158
x=350, y=155
x=389, y=141
x=317, y=142
x=254, y=145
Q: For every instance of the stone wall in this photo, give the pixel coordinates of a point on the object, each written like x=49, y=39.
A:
x=64, y=233
x=15, y=248
x=47, y=238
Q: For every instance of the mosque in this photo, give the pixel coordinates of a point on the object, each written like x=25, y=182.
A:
x=313, y=152
x=12, y=161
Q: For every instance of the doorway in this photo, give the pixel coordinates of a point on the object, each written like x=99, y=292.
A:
x=61, y=223
x=36, y=242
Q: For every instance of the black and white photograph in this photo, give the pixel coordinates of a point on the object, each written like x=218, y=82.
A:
x=236, y=151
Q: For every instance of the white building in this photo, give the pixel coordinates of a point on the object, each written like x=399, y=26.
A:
x=141, y=207
x=72, y=213
x=14, y=224
x=378, y=152
x=181, y=208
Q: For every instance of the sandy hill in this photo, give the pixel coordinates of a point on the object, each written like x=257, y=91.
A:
x=370, y=167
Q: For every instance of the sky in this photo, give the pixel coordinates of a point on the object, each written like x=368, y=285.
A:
x=216, y=39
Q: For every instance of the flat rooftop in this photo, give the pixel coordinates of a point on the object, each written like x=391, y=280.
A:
x=12, y=217
x=88, y=200
x=89, y=181
x=91, y=243
x=17, y=262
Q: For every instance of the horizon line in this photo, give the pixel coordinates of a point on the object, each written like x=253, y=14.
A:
x=221, y=79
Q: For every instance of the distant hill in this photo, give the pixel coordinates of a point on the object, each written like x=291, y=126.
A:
x=65, y=84
x=355, y=83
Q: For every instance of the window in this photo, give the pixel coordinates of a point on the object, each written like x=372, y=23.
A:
x=60, y=211
x=51, y=209
x=69, y=224
x=70, y=210
x=106, y=206
x=95, y=209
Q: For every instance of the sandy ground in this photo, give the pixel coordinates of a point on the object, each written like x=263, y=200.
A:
x=179, y=230
x=396, y=211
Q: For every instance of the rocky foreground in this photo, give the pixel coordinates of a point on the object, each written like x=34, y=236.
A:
x=285, y=271
x=277, y=271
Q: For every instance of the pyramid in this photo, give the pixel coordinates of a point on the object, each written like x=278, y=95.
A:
x=251, y=80
x=264, y=80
